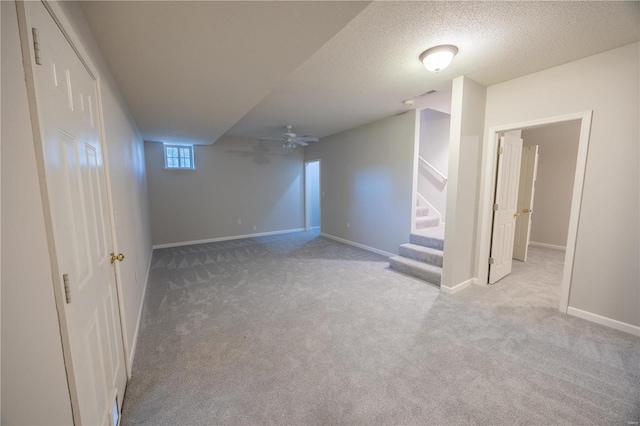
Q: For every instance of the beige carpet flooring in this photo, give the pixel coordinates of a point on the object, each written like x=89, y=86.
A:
x=297, y=329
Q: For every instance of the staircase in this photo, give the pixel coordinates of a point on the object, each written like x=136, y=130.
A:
x=423, y=220
x=422, y=256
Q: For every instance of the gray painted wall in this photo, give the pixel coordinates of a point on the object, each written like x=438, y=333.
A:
x=312, y=192
x=366, y=177
x=434, y=147
x=606, y=278
x=557, y=154
x=34, y=385
x=257, y=182
x=467, y=128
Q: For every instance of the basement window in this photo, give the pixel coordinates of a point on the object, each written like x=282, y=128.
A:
x=178, y=157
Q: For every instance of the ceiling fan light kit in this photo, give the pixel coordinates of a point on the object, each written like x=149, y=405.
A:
x=290, y=140
x=438, y=58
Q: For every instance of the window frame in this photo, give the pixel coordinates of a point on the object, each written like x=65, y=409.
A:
x=179, y=157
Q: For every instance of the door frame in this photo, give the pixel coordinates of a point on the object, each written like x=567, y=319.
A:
x=487, y=194
x=307, y=218
x=26, y=39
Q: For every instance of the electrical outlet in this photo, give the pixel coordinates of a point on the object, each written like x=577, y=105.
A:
x=323, y=193
x=255, y=227
x=135, y=274
x=348, y=225
x=239, y=221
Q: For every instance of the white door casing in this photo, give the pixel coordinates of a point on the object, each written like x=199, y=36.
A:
x=75, y=178
x=526, y=194
x=487, y=191
x=506, y=204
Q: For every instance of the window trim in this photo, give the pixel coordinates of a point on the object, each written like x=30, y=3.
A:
x=178, y=147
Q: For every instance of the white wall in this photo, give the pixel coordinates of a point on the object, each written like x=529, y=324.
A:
x=34, y=382
x=467, y=116
x=312, y=193
x=367, y=180
x=557, y=154
x=606, y=278
x=34, y=386
x=259, y=183
x=434, y=147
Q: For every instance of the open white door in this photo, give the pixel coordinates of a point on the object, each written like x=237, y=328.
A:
x=72, y=156
x=505, y=207
x=526, y=193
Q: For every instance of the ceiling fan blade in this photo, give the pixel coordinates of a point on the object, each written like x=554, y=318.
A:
x=308, y=139
x=301, y=143
x=270, y=139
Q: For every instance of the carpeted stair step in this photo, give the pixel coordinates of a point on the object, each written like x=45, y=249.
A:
x=422, y=254
x=429, y=273
x=426, y=238
x=422, y=211
x=426, y=222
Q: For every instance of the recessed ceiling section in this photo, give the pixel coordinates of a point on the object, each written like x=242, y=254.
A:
x=190, y=70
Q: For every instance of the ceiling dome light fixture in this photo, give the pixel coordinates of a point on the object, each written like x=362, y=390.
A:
x=439, y=57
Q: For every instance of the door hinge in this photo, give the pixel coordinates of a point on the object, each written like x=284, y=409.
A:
x=500, y=150
x=67, y=287
x=495, y=207
x=36, y=45
x=491, y=261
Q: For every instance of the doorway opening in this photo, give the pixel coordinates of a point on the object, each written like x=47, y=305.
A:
x=312, y=195
x=544, y=207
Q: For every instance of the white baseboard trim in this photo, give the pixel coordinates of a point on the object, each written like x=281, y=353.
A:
x=362, y=246
x=609, y=322
x=545, y=245
x=232, y=237
x=313, y=228
x=458, y=287
x=139, y=321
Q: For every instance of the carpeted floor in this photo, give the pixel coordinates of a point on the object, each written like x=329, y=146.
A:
x=297, y=329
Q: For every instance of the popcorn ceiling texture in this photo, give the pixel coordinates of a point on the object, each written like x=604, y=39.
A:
x=249, y=68
x=298, y=329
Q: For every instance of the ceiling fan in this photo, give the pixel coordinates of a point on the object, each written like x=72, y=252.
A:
x=290, y=140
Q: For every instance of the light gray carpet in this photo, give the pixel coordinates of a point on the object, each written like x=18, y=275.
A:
x=298, y=329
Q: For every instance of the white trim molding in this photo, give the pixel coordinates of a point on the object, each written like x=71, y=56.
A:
x=231, y=237
x=134, y=344
x=487, y=185
x=362, y=246
x=545, y=245
x=458, y=287
x=609, y=322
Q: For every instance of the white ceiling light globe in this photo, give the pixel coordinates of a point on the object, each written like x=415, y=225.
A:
x=439, y=57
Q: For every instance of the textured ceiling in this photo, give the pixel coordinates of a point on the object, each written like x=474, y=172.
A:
x=190, y=70
x=328, y=66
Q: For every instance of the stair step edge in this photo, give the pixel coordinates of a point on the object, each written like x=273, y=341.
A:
x=417, y=264
x=424, y=249
x=428, y=273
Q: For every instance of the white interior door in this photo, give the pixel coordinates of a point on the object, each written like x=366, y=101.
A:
x=526, y=193
x=505, y=207
x=75, y=177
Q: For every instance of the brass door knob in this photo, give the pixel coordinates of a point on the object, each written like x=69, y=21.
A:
x=119, y=257
x=516, y=215
x=526, y=211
